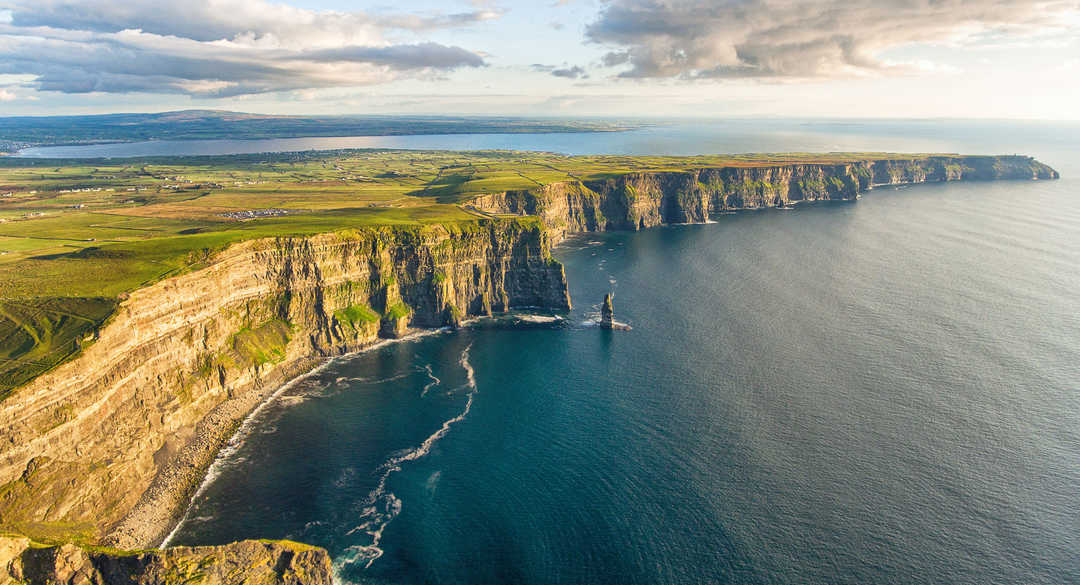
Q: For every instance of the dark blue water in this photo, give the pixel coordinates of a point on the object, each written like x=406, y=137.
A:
x=886, y=391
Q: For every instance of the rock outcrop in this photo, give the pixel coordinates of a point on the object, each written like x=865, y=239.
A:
x=115, y=441
x=247, y=562
x=607, y=313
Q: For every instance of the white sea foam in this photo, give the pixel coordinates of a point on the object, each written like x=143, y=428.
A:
x=433, y=483
x=539, y=318
x=434, y=381
x=382, y=506
x=344, y=381
x=291, y=400
x=227, y=453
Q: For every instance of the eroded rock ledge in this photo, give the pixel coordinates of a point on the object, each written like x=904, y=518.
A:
x=248, y=562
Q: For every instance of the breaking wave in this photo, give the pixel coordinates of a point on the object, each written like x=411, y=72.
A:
x=434, y=381
x=228, y=454
x=382, y=506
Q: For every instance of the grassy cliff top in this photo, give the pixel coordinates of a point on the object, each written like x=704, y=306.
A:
x=59, y=214
x=77, y=234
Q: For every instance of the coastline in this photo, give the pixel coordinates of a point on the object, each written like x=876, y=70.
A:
x=242, y=426
x=45, y=148
x=194, y=485
x=169, y=374
x=245, y=426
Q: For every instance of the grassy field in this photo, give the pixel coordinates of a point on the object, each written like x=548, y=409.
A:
x=77, y=234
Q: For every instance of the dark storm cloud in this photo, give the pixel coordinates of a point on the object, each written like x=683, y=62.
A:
x=797, y=38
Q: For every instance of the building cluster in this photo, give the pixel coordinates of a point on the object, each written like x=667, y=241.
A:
x=255, y=213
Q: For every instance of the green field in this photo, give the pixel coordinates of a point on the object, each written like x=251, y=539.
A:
x=77, y=234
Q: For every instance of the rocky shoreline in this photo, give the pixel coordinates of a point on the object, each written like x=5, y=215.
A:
x=247, y=562
x=122, y=437
x=118, y=439
x=147, y=515
x=653, y=192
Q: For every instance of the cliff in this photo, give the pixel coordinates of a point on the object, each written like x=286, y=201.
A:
x=240, y=563
x=111, y=445
x=638, y=200
x=113, y=442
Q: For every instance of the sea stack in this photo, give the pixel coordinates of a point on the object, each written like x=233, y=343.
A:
x=607, y=313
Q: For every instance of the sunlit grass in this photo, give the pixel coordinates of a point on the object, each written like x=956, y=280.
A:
x=75, y=235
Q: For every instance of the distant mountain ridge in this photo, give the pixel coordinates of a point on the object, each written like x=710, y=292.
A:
x=23, y=131
x=194, y=116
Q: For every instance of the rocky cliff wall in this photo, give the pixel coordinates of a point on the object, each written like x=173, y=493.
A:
x=241, y=563
x=114, y=441
x=645, y=199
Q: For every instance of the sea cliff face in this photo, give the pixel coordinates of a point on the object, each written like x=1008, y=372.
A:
x=241, y=563
x=112, y=444
x=640, y=200
x=114, y=441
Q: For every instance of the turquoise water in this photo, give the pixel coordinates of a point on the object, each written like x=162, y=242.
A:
x=885, y=391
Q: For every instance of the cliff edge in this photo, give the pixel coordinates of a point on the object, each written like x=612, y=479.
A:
x=110, y=446
x=639, y=200
x=114, y=442
x=247, y=562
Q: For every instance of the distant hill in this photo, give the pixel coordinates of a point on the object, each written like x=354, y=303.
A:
x=17, y=132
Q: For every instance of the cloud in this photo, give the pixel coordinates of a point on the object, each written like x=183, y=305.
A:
x=574, y=72
x=570, y=72
x=801, y=38
x=210, y=20
x=218, y=47
x=7, y=96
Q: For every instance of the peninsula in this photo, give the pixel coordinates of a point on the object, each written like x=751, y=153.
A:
x=26, y=131
x=148, y=305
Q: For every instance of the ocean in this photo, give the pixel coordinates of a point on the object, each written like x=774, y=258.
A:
x=881, y=391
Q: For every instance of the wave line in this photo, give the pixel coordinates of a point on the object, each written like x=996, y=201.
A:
x=434, y=381
x=382, y=506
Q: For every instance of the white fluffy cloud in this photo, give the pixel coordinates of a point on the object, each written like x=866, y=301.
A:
x=217, y=47
x=800, y=38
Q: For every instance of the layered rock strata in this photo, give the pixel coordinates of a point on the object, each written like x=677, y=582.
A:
x=241, y=563
x=639, y=200
x=113, y=443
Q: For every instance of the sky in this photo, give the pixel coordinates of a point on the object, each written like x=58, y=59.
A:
x=562, y=58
